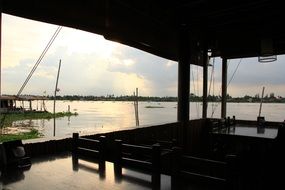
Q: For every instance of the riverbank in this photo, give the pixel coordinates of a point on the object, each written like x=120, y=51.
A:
x=271, y=98
x=12, y=132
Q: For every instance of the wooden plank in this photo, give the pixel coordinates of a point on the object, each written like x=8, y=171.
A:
x=88, y=143
x=202, y=178
x=88, y=152
x=138, y=165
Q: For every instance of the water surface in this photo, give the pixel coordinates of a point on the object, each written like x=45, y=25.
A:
x=104, y=116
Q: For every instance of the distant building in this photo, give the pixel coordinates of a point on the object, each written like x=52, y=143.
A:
x=8, y=103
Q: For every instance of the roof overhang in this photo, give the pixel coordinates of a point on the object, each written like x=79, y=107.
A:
x=231, y=29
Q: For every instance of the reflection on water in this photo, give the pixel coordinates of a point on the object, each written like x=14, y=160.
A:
x=100, y=116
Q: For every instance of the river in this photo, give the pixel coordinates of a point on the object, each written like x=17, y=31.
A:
x=104, y=116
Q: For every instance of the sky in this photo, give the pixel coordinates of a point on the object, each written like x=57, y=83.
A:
x=91, y=65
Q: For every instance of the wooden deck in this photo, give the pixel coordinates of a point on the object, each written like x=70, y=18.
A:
x=61, y=172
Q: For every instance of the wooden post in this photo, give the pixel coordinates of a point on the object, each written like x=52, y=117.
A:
x=1, y=51
x=183, y=84
x=175, y=166
x=75, y=166
x=30, y=104
x=118, y=160
x=102, y=148
x=55, y=90
x=183, y=77
x=261, y=100
x=205, y=82
x=137, y=104
x=224, y=88
x=75, y=137
x=232, y=173
x=102, y=157
x=156, y=161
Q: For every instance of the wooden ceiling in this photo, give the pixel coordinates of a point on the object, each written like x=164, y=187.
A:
x=231, y=29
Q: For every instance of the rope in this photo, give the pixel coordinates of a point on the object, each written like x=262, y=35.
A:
x=39, y=60
x=214, y=109
x=234, y=72
x=197, y=83
x=193, y=83
x=212, y=82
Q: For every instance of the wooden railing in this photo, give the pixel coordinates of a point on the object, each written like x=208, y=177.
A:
x=223, y=125
x=197, y=169
x=89, y=149
x=140, y=158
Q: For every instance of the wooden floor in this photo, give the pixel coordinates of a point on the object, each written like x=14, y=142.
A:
x=60, y=172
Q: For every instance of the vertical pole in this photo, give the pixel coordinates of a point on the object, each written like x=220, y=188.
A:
x=261, y=100
x=0, y=51
x=156, y=165
x=224, y=88
x=118, y=160
x=75, y=137
x=30, y=105
x=75, y=166
x=183, y=77
x=205, y=82
x=102, y=157
x=175, y=167
x=183, y=84
x=102, y=148
x=137, y=106
x=54, y=100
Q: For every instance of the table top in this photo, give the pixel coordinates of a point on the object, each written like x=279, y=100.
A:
x=250, y=131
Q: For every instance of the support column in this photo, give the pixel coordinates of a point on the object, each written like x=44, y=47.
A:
x=183, y=86
x=205, y=83
x=183, y=77
x=224, y=88
x=30, y=105
x=0, y=50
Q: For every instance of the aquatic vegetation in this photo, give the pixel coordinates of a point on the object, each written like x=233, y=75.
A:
x=154, y=107
x=32, y=134
x=6, y=121
x=9, y=118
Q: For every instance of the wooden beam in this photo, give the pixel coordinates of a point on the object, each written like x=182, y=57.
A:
x=205, y=83
x=0, y=53
x=183, y=77
x=224, y=88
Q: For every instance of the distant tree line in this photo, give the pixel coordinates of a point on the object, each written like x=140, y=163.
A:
x=193, y=98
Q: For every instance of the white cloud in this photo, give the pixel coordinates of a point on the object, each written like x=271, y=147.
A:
x=93, y=65
x=170, y=63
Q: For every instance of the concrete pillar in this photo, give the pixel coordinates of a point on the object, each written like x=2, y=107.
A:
x=205, y=83
x=224, y=88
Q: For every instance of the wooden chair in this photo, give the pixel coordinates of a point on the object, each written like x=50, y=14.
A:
x=15, y=155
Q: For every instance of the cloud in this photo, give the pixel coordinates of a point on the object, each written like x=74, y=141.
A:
x=251, y=75
x=95, y=66
x=160, y=73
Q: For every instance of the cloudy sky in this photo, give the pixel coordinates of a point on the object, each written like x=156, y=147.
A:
x=92, y=65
